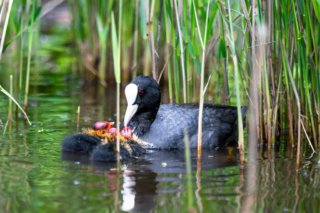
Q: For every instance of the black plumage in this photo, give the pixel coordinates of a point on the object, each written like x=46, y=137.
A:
x=163, y=126
x=80, y=143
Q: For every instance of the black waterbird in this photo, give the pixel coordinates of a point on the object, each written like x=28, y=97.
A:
x=161, y=126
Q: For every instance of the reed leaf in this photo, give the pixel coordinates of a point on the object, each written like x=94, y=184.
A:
x=115, y=50
x=16, y=103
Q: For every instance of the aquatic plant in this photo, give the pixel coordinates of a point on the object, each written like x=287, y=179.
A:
x=116, y=49
x=162, y=38
x=288, y=89
x=11, y=98
x=6, y=11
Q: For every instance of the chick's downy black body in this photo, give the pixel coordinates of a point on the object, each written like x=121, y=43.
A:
x=164, y=126
x=82, y=143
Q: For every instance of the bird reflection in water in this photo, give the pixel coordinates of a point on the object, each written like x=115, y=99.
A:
x=137, y=184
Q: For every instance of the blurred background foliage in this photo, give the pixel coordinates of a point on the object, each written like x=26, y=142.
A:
x=277, y=40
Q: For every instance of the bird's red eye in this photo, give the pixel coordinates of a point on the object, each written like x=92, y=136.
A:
x=141, y=93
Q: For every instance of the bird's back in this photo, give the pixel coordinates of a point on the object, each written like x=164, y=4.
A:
x=173, y=121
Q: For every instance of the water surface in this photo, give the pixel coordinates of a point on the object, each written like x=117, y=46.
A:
x=36, y=177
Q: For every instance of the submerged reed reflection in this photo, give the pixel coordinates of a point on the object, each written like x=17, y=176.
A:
x=274, y=184
x=146, y=184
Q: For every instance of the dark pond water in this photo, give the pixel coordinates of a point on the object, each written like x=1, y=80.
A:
x=36, y=177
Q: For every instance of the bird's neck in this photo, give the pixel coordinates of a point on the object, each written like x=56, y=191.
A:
x=141, y=122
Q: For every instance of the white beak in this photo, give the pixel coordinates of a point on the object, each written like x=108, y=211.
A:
x=131, y=110
x=131, y=93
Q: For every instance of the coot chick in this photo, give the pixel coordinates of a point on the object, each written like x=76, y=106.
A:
x=80, y=143
x=86, y=141
x=163, y=126
x=99, y=143
x=106, y=152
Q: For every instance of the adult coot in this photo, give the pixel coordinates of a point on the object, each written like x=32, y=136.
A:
x=157, y=126
x=164, y=126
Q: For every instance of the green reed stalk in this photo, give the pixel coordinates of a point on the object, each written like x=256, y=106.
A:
x=267, y=105
x=176, y=78
x=4, y=30
x=296, y=24
x=14, y=101
x=135, y=40
x=237, y=83
x=183, y=72
x=10, y=105
x=202, y=91
x=167, y=50
x=269, y=73
x=295, y=91
x=188, y=170
x=275, y=110
x=119, y=80
x=173, y=71
x=185, y=24
x=26, y=94
x=103, y=28
x=151, y=40
x=116, y=49
x=21, y=62
x=307, y=77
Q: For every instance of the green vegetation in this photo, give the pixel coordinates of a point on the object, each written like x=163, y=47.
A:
x=195, y=47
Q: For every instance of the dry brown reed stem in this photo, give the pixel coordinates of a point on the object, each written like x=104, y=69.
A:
x=290, y=119
x=308, y=139
x=253, y=36
x=254, y=95
x=183, y=72
x=246, y=16
x=258, y=61
x=163, y=69
x=198, y=190
x=248, y=203
x=296, y=193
